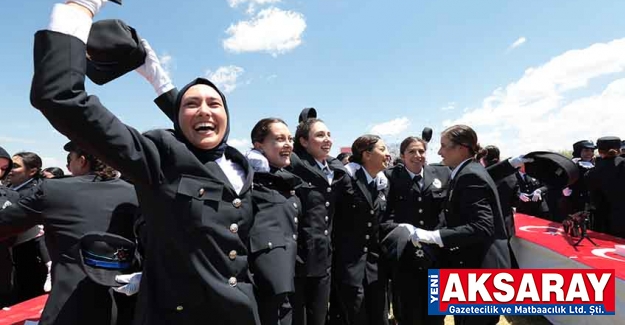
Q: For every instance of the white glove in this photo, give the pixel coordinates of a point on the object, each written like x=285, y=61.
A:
x=536, y=196
x=524, y=197
x=131, y=282
x=153, y=72
x=412, y=229
x=426, y=236
x=567, y=191
x=519, y=161
x=93, y=5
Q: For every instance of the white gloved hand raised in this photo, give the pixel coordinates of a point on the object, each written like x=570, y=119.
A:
x=536, y=196
x=519, y=161
x=93, y=5
x=412, y=229
x=153, y=72
x=567, y=191
x=426, y=236
x=131, y=283
x=524, y=197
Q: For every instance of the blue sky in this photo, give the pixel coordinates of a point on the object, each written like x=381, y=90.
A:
x=528, y=75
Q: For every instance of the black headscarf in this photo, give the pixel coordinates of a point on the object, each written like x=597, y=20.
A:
x=5, y=154
x=201, y=154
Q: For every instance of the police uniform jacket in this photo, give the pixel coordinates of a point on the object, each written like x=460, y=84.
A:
x=194, y=216
x=580, y=196
x=8, y=197
x=68, y=208
x=33, y=232
x=319, y=198
x=274, y=249
x=606, y=183
x=508, y=189
x=356, y=240
x=475, y=234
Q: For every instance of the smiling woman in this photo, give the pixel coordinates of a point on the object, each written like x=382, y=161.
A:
x=194, y=189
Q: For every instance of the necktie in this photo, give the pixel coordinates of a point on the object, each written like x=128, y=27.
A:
x=373, y=189
x=417, y=180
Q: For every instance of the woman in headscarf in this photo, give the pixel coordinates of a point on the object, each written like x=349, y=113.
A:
x=359, y=284
x=194, y=189
x=275, y=199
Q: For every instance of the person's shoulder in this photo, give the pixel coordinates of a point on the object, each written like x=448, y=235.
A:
x=438, y=169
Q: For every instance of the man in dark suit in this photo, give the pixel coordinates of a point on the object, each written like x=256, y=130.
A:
x=93, y=200
x=475, y=235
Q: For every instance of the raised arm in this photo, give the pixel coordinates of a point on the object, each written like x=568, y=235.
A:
x=58, y=91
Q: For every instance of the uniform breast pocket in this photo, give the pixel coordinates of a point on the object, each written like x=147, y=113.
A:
x=196, y=196
x=440, y=194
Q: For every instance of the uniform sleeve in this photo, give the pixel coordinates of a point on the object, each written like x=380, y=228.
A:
x=475, y=208
x=22, y=215
x=166, y=102
x=58, y=91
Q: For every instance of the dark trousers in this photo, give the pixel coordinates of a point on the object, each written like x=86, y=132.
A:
x=410, y=295
x=310, y=302
x=276, y=310
x=6, y=274
x=30, y=270
x=363, y=305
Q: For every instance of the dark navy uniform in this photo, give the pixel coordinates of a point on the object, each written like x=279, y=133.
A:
x=194, y=216
x=358, y=281
x=528, y=185
x=8, y=197
x=69, y=208
x=580, y=197
x=475, y=235
x=273, y=261
x=421, y=207
x=314, y=250
x=606, y=183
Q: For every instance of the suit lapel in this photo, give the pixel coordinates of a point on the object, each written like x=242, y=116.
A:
x=428, y=178
x=361, y=182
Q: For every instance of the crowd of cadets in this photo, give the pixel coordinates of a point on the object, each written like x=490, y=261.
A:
x=284, y=234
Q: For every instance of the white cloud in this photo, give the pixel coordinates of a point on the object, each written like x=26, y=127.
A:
x=450, y=106
x=393, y=127
x=272, y=30
x=166, y=62
x=15, y=140
x=520, y=41
x=225, y=77
x=252, y=4
x=242, y=145
x=543, y=110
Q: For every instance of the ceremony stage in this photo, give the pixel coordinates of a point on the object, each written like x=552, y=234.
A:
x=542, y=244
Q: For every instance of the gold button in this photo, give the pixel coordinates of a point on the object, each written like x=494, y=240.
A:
x=420, y=210
x=369, y=224
x=371, y=212
x=234, y=228
x=270, y=245
x=236, y=203
x=367, y=237
x=327, y=219
x=232, y=282
x=179, y=308
x=295, y=205
x=327, y=204
x=329, y=189
x=419, y=199
x=365, y=249
x=295, y=219
x=294, y=236
x=200, y=193
x=232, y=254
x=421, y=222
x=325, y=232
x=401, y=197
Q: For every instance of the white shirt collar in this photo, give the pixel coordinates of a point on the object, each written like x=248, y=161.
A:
x=412, y=175
x=322, y=165
x=455, y=171
x=369, y=178
x=16, y=188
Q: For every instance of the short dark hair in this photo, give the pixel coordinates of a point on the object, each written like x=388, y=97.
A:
x=410, y=140
x=55, y=171
x=490, y=155
x=343, y=155
x=261, y=129
x=463, y=135
x=362, y=144
x=302, y=131
x=31, y=161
